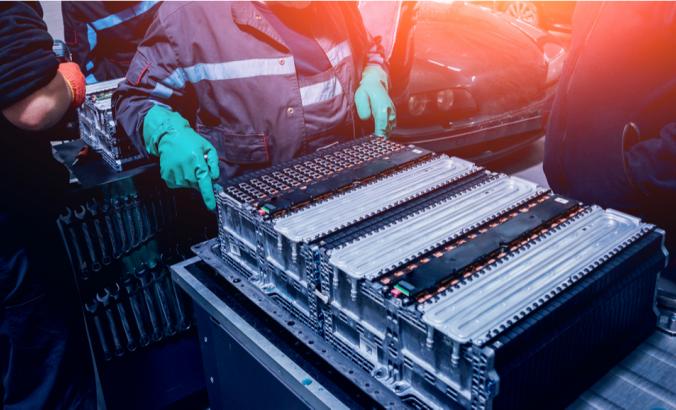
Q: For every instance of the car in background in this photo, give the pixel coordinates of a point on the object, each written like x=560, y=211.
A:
x=465, y=79
x=548, y=15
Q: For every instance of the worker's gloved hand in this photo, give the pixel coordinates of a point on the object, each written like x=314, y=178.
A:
x=372, y=99
x=75, y=80
x=187, y=160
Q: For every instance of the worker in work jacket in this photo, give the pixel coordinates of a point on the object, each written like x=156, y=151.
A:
x=103, y=35
x=611, y=139
x=218, y=89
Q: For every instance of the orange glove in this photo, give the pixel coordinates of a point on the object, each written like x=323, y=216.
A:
x=75, y=80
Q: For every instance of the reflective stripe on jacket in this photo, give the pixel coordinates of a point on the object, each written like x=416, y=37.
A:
x=225, y=69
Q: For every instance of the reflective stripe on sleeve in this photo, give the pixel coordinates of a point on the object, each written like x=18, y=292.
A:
x=91, y=37
x=161, y=91
x=122, y=16
x=339, y=52
x=320, y=92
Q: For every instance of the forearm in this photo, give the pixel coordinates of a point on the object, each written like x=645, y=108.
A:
x=43, y=108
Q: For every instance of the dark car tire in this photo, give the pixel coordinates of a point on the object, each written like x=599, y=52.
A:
x=526, y=11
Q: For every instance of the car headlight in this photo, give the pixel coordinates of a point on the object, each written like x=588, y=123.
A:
x=445, y=100
x=435, y=106
x=417, y=104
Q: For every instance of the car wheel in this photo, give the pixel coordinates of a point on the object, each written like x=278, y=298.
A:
x=525, y=11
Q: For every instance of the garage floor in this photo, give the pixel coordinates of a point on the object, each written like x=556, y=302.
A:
x=526, y=163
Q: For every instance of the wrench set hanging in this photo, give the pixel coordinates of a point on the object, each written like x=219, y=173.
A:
x=141, y=308
x=120, y=247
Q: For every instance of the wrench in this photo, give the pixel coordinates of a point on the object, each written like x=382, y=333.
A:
x=80, y=214
x=182, y=322
x=132, y=294
x=122, y=312
x=129, y=223
x=145, y=220
x=67, y=222
x=117, y=206
x=159, y=277
x=136, y=216
x=93, y=308
x=93, y=209
x=106, y=302
x=105, y=210
x=142, y=275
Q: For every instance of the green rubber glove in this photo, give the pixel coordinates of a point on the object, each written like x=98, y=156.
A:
x=372, y=99
x=187, y=160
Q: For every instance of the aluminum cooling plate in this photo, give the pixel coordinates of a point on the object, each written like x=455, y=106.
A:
x=507, y=290
x=103, y=86
x=403, y=240
x=345, y=209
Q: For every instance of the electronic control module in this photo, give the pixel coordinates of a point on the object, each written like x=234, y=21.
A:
x=453, y=285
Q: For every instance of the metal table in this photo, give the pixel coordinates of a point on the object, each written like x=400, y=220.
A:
x=252, y=362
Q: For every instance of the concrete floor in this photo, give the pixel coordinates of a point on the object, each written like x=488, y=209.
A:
x=526, y=163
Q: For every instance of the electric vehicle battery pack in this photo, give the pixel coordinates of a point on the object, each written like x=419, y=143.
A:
x=454, y=286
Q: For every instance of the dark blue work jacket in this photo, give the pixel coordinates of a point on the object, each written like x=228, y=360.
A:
x=612, y=135
x=103, y=35
x=226, y=69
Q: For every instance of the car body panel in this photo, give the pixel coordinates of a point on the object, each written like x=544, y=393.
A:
x=493, y=62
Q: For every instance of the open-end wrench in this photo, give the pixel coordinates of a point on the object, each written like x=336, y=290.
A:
x=135, y=203
x=159, y=278
x=129, y=223
x=67, y=223
x=93, y=310
x=124, y=317
x=93, y=209
x=119, y=224
x=132, y=294
x=182, y=322
x=81, y=215
x=107, y=219
x=105, y=300
x=145, y=220
x=144, y=279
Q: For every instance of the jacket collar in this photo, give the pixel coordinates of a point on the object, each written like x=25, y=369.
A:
x=245, y=14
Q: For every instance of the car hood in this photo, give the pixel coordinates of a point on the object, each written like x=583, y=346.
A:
x=464, y=46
